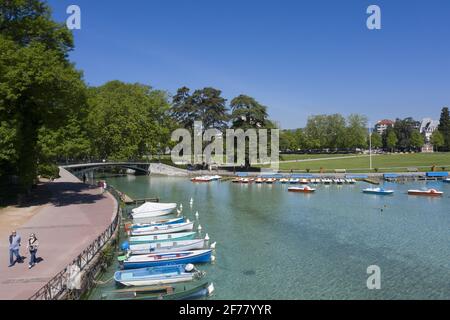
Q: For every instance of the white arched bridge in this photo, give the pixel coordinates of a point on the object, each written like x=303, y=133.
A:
x=140, y=167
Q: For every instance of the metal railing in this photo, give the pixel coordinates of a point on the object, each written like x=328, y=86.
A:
x=66, y=280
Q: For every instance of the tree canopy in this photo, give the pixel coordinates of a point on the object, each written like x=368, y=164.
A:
x=127, y=121
x=39, y=86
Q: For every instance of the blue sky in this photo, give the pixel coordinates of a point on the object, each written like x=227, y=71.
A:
x=299, y=57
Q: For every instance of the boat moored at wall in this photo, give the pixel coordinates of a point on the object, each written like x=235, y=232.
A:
x=183, y=291
x=162, y=247
x=163, y=229
x=131, y=226
x=163, y=237
x=153, y=209
x=161, y=259
x=158, y=275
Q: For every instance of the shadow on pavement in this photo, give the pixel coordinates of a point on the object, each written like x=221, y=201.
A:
x=62, y=194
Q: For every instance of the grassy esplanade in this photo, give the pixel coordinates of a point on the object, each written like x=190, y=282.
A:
x=360, y=163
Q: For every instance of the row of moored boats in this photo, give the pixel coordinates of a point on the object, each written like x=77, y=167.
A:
x=294, y=181
x=160, y=256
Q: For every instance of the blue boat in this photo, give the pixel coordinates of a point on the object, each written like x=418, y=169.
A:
x=446, y=180
x=156, y=223
x=378, y=191
x=162, y=238
x=157, y=275
x=164, y=259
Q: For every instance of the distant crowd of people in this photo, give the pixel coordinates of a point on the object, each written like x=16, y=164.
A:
x=14, y=249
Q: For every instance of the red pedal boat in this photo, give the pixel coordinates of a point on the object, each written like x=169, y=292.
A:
x=429, y=193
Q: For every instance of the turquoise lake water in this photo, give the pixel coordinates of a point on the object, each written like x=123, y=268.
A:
x=272, y=244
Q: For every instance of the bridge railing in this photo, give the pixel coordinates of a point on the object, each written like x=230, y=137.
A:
x=69, y=278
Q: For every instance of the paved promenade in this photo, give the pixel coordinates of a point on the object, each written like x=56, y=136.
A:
x=65, y=224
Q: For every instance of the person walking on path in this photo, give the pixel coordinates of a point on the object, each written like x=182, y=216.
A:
x=84, y=178
x=14, y=248
x=33, y=245
x=105, y=187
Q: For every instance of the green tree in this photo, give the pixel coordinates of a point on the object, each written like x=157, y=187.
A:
x=39, y=86
x=437, y=140
x=417, y=140
x=356, y=132
x=391, y=140
x=326, y=131
x=377, y=141
x=127, y=121
x=247, y=113
x=288, y=141
x=206, y=105
x=444, y=127
x=404, y=130
x=300, y=139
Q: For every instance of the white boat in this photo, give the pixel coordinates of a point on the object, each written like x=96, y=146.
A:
x=170, y=246
x=447, y=180
x=157, y=275
x=294, y=181
x=305, y=189
x=327, y=181
x=163, y=229
x=153, y=209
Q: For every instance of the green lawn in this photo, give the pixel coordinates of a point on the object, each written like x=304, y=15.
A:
x=385, y=163
x=290, y=157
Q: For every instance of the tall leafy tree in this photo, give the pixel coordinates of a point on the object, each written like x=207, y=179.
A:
x=206, y=105
x=404, y=130
x=356, y=132
x=39, y=85
x=377, y=141
x=391, y=140
x=183, y=110
x=437, y=140
x=444, y=127
x=127, y=121
x=288, y=141
x=326, y=131
x=417, y=140
x=247, y=113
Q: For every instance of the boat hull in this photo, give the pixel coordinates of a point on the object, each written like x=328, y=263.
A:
x=425, y=193
x=155, y=276
x=302, y=190
x=163, y=229
x=379, y=192
x=163, y=238
x=194, y=257
x=176, y=292
x=154, y=223
x=173, y=246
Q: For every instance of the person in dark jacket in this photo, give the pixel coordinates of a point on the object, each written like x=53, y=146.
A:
x=33, y=245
